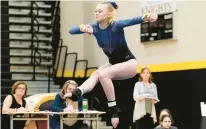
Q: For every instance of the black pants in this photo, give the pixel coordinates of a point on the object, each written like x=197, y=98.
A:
x=145, y=122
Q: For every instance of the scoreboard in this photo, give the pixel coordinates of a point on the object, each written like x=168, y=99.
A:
x=158, y=30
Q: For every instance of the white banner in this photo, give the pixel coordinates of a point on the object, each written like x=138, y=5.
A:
x=159, y=7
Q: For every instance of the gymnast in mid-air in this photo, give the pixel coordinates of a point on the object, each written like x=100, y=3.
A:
x=110, y=37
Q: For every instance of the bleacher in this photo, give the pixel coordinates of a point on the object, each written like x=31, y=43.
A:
x=29, y=34
x=32, y=50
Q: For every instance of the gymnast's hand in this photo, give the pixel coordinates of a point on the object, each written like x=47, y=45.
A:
x=86, y=29
x=150, y=17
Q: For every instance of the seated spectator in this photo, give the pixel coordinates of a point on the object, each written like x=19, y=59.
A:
x=164, y=112
x=61, y=104
x=16, y=103
x=166, y=122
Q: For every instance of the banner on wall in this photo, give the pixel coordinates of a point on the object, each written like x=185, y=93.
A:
x=159, y=7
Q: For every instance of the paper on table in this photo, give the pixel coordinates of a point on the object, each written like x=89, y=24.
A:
x=39, y=112
x=83, y=112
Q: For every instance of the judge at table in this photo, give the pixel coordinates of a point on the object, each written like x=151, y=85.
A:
x=15, y=102
x=61, y=104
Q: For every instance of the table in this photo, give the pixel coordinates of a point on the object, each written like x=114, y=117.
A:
x=82, y=115
x=30, y=116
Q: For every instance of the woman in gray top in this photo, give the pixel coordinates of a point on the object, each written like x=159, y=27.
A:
x=145, y=96
x=166, y=122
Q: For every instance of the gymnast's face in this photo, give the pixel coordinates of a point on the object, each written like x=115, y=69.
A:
x=102, y=12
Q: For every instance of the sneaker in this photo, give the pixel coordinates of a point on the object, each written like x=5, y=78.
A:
x=76, y=94
x=114, y=111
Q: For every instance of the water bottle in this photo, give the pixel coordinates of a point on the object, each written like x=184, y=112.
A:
x=31, y=105
x=85, y=109
x=85, y=105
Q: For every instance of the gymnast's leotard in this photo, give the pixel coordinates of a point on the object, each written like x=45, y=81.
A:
x=112, y=39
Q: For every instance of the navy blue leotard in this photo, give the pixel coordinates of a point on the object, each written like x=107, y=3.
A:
x=112, y=39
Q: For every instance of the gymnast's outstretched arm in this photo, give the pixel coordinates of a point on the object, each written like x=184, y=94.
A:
x=75, y=30
x=120, y=24
x=128, y=22
x=83, y=28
